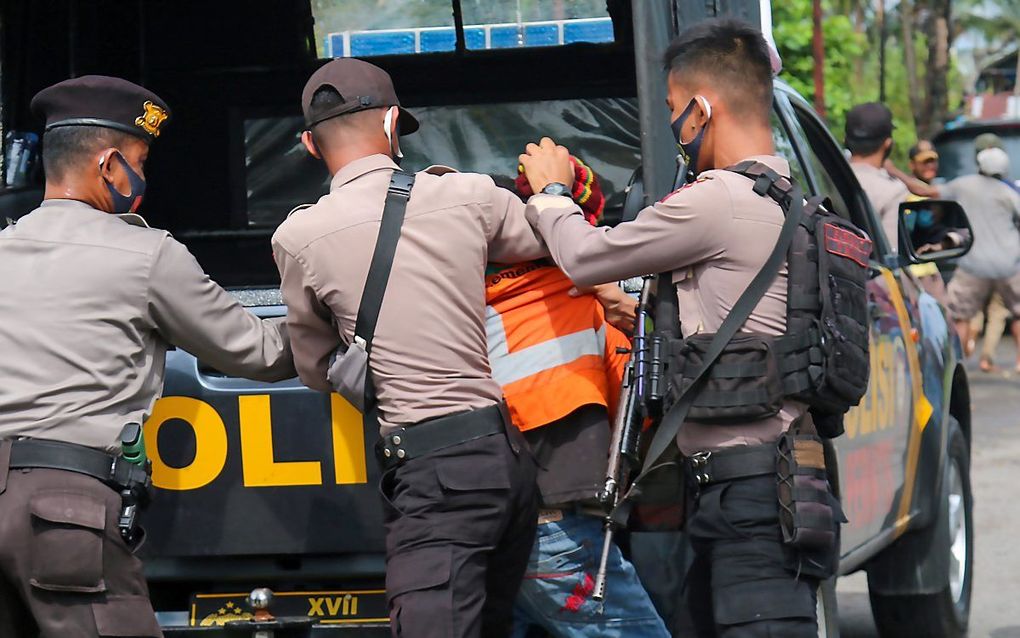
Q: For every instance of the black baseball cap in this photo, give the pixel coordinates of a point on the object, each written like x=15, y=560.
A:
x=361, y=85
x=869, y=121
x=100, y=100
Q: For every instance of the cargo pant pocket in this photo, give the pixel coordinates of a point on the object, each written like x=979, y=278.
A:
x=68, y=530
x=767, y=599
x=126, y=617
x=419, y=593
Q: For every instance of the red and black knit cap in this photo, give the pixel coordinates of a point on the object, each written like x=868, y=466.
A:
x=585, y=191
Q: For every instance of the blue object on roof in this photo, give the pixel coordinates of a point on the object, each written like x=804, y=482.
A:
x=369, y=43
x=500, y=36
x=541, y=35
x=504, y=37
x=434, y=40
x=588, y=31
x=474, y=37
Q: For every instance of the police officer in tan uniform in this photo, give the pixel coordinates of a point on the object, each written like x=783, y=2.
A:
x=714, y=235
x=458, y=486
x=93, y=299
x=869, y=130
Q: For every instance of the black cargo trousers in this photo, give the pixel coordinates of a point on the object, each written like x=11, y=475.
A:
x=65, y=571
x=744, y=582
x=460, y=524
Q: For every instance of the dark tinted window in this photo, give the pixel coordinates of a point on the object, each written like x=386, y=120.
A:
x=785, y=149
x=824, y=184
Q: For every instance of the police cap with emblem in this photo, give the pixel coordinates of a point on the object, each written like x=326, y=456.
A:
x=361, y=86
x=99, y=100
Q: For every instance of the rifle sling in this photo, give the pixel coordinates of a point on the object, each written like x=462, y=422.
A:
x=671, y=422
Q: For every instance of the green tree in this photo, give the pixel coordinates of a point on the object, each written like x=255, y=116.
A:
x=845, y=47
x=997, y=23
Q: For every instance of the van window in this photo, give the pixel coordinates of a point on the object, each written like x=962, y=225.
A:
x=278, y=173
x=365, y=28
x=501, y=25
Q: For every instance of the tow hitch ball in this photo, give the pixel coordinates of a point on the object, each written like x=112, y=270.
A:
x=264, y=624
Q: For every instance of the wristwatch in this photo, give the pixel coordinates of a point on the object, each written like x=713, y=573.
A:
x=556, y=188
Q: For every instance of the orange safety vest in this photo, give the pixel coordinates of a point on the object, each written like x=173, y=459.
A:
x=551, y=353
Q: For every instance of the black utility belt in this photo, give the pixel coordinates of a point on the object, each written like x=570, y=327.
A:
x=114, y=471
x=707, y=468
x=430, y=436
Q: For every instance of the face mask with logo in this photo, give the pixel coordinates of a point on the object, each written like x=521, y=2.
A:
x=126, y=203
x=687, y=160
x=387, y=125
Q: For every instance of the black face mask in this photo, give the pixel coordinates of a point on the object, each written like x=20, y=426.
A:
x=687, y=160
x=127, y=203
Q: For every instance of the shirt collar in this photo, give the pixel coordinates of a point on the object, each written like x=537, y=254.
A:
x=133, y=219
x=361, y=167
x=67, y=203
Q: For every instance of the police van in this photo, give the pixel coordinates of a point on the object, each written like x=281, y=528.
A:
x=272, y=485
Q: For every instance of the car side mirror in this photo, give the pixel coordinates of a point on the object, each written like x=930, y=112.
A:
x=933, y=230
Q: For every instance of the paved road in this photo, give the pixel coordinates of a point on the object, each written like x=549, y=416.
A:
x=995, y=475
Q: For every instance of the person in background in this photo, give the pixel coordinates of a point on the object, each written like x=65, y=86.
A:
x=993, y=263
x=995, y=311
x=869, y=130
x=924, y=166
x=924, y=162
x=563, y=401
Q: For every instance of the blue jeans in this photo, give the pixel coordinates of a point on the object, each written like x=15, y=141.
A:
x=556, y=593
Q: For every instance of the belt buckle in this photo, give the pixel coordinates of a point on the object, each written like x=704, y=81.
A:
x=699, y=467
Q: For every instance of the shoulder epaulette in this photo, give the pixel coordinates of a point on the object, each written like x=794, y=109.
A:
x=700, y=180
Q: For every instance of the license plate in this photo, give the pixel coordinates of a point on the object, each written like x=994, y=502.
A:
x=346, y=607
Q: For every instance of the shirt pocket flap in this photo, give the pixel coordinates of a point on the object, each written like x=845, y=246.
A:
x=67, y=508
x=418, y=569
x=468, y=473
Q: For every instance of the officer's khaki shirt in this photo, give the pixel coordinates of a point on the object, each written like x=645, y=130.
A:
x=714, y=235
x=88, y=306
x=886, y=194
x=429, y=354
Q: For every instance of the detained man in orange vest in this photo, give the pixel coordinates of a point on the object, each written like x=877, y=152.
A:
x=556, y=357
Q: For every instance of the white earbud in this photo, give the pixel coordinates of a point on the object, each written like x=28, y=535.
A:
x=387, y=124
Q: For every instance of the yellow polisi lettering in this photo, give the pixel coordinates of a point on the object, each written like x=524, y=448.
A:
x=348, y=442
x=258, y=467
x=210, y=443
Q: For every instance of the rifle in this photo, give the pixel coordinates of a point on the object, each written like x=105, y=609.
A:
x=627, y=425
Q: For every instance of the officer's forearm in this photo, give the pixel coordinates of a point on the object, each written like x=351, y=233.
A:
x=588, y=255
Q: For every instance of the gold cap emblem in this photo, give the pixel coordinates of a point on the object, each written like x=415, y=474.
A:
x=150, y=120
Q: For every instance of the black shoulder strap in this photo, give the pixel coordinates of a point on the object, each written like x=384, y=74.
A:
x=791, y=199
x=382, y=259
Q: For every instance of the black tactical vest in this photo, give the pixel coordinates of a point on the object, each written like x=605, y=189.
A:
x=822, y=360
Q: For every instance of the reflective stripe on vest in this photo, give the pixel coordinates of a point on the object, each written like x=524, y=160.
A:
x=508, y=367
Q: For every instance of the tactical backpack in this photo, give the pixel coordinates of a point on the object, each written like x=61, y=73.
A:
x=731, y=377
